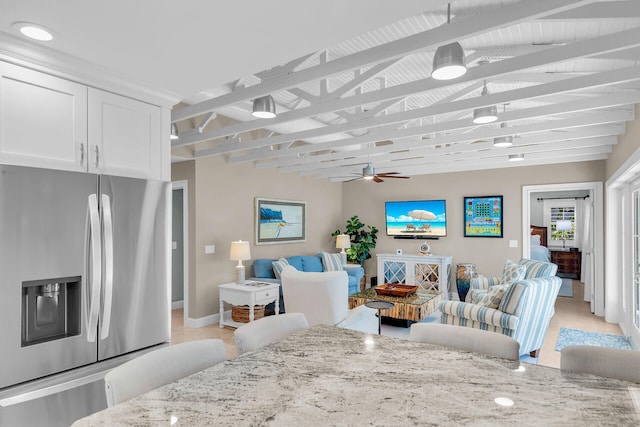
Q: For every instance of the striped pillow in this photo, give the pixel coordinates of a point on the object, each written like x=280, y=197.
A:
x=278, y=266
x=332, y=262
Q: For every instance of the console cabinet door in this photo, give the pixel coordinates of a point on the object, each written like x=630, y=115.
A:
x=43, y=120
x=125, y=136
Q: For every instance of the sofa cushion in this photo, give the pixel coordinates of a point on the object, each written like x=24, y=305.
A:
x=263, y=268
x=278, y=266
x=308, y=263
x=512, y=272
x=332, y=262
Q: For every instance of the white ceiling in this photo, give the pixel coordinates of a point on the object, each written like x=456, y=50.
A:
x=351, y=78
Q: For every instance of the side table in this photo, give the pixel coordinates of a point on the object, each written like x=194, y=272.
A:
x=379, y=305
x=251, y=295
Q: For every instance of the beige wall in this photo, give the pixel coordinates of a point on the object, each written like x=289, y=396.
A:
x=366, y=199
x=626, y=146
x=224, y=211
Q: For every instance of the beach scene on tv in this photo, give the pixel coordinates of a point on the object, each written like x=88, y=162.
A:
x=416, y=218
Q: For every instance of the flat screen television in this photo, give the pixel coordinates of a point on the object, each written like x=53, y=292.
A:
x=416, y=219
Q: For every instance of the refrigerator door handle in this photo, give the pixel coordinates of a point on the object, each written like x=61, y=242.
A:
x=95, y=268
x=107, y=224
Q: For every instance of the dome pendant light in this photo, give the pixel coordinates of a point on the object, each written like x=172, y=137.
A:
x=485, y=115
x=449, y=61
x=174, y=131
x=264, y=108
x=503, y=141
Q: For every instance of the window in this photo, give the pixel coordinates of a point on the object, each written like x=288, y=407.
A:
x=565, y=212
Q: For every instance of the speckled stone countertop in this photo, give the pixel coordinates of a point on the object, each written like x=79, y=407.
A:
x=332, y=376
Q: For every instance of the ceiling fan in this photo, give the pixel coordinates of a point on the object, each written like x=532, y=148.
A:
x=369, y=172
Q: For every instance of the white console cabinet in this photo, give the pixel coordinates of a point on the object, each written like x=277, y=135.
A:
x=50, y=122
x=431, y=273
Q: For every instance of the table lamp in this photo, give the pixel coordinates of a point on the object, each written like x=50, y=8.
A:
x=563, y=226
x=343, y=241
x=240, y=251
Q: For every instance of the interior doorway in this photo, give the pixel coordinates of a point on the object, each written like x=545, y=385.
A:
x=179, y=248
x=592, y=220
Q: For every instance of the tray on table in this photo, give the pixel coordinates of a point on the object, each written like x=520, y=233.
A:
x=395, y=289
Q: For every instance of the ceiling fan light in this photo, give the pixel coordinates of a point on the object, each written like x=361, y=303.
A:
x=264, y=107
x=368, y=172
x=503, y=141
x=485, y=115
x=174, y=131
x=449, y=62
x=516, y=157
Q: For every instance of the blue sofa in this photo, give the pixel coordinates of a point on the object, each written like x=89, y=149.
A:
x=262, y=270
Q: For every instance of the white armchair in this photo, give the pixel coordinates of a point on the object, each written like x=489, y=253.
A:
x=322, y=297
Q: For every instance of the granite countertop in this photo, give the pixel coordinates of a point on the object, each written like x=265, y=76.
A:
x=332, y=376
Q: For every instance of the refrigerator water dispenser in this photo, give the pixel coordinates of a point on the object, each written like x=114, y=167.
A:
x=51, y=309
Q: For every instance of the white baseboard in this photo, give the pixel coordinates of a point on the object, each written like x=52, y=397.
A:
x=205, y=321
x=177, y=304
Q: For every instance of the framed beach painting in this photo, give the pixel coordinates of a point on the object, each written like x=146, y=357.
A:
x=280, y=221
x=483, y=216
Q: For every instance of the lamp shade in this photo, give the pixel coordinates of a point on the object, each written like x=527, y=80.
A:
x=343, y=241
x=264, y=108
x=449, y=62
x=240, y=251
x=563, y=225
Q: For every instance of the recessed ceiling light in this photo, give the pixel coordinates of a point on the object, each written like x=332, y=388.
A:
x=34, y=31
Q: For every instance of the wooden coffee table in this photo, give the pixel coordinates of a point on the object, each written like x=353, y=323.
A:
x=411, y=309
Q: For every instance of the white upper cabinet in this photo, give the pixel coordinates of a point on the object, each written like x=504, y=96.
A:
x=124, y=136
x=43, y=120
x=49, y=122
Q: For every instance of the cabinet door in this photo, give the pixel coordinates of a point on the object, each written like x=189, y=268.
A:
x=125, y=136
x=43, y=120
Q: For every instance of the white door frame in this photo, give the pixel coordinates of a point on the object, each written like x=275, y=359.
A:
x=184, y=186
x=596, y=191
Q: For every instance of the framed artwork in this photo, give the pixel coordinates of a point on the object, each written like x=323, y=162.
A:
x=280, y=221
x=483, y=216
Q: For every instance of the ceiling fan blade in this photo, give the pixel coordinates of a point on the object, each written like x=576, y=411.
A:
x=376, y=179
x=388, y=173
x=353, y=179
x=394, y=176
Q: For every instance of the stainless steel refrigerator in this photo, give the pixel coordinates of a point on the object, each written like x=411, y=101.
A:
x=84, y=275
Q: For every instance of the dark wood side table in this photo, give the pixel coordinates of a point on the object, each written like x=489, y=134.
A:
x=568, y=262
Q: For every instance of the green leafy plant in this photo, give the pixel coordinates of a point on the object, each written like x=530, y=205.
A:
x=363, y=240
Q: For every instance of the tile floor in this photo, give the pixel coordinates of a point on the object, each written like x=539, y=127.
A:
x=570, y=313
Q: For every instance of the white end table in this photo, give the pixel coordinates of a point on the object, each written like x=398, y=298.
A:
x=235, y=294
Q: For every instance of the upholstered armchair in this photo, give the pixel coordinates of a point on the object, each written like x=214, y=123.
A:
x=323, y=297
x=478, y=286
x=523, y=312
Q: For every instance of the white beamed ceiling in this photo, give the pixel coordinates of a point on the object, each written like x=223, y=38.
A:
x=564, y=74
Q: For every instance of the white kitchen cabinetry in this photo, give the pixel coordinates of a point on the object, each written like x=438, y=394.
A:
x=49, y=122
x=43, y=120
x=124, y=136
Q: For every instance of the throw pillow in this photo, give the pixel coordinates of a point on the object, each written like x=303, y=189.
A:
x=278, y=266
x=332, y=262
x=512, y=272
x=493, y=297
x=535, y=240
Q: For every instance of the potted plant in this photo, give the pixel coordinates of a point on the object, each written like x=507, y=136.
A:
x=363, y=240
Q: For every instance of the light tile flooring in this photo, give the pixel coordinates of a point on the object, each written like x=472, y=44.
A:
x=570, y=313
